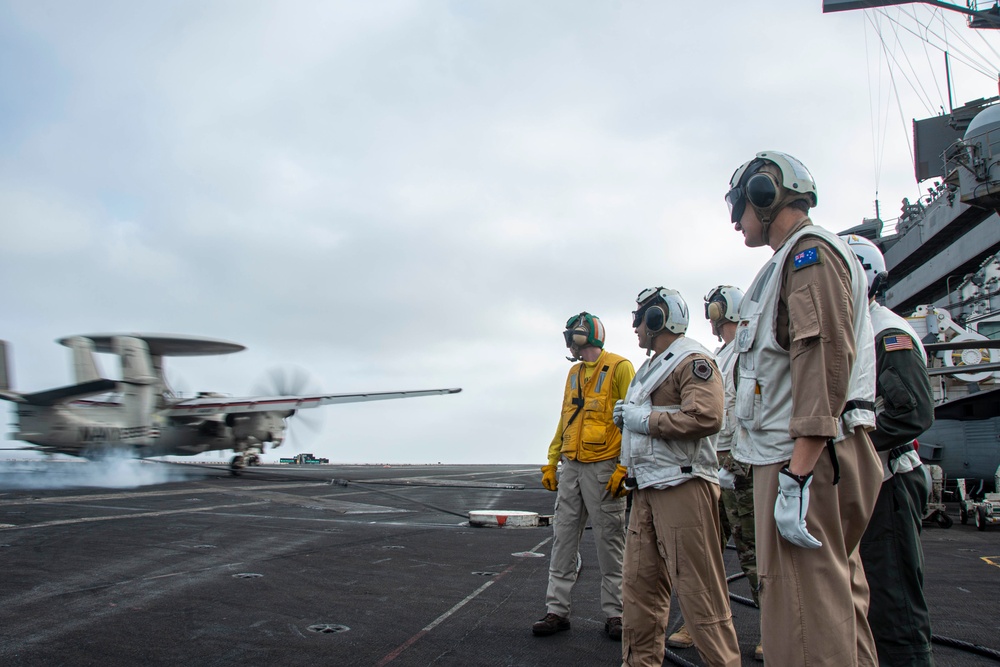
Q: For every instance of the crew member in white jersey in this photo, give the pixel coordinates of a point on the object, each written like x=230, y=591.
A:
x=890, y=549
x=805, y=399
x=670, y=417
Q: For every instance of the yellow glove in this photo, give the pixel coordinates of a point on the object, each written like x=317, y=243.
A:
x=549, y=480
x=616, y=485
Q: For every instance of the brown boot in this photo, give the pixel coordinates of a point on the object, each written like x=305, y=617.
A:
x=680, y=639
x=549, y=625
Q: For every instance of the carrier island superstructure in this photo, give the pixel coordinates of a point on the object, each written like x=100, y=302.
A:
x=944, y=276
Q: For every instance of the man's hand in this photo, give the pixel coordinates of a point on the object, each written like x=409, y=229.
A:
x=727, y=479
x=616, y=485
x=790, y=509
x=636, y=417
x=549, y=480
x=616, y=415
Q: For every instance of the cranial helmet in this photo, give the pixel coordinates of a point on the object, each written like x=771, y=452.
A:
x=661, y=309
x=722, y=304
x=754, y=184
x=583, y=330
x=871, y=260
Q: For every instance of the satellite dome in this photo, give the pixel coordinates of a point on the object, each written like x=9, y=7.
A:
x=985, y=121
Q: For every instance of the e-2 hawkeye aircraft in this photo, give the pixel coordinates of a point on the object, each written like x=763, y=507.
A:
x=143, y=415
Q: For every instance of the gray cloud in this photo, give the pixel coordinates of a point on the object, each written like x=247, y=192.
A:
x=403, y=194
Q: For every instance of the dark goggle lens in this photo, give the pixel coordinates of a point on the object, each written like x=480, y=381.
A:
x=737, y=204
x=638, y=316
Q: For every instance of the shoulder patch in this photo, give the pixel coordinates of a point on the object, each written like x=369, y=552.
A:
x=897, y=342
x=702, y=369
x=807, y=257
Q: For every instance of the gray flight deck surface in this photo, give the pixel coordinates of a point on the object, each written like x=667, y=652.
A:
x=282, y=567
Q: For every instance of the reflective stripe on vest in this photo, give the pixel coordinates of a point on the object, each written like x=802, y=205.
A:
x=591, y=434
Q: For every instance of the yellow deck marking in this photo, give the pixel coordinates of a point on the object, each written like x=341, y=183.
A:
x=990, y=560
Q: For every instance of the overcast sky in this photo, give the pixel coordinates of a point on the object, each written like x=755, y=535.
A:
x=418, y=194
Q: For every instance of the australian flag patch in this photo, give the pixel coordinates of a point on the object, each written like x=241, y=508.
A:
x=807, y=257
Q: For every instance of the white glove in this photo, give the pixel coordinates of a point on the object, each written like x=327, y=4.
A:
x=727, y=479
x=636, y=417
x=616, y=415
x=790, y=509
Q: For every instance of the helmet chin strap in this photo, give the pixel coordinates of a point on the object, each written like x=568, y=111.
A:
x=765, y=224
x=650, y=337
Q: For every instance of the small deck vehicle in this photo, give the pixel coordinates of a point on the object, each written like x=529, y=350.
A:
x=984, y=511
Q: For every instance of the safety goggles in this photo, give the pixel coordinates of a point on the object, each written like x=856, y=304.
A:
x=644, y=296
x=574, y=325
x=737, y=204
x=759, y=190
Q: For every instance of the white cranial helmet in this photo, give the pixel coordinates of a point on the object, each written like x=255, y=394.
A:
x=722, y=304
x=661, y=309
x=871, y=260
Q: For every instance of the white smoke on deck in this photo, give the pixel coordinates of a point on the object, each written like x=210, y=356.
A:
x=111, y=472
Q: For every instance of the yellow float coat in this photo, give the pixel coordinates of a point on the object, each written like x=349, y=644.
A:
x=592, y=435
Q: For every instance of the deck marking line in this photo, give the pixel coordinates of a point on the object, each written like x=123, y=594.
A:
x=89, y=519
x=541, y=544
x=440, y=619
x=989, y=560
x=150, y=494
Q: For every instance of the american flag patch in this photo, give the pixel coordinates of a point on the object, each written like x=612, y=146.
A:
x=806, y=258
x=893, y=343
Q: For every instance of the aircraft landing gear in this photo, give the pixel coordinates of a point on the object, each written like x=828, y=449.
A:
x=237, y=465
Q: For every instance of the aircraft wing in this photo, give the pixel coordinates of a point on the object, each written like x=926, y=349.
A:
x=215, y=405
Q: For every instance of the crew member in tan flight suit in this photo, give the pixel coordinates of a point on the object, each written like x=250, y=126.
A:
x=670, y=417
x=590, y=483
x=805, y=399
x=735, y=478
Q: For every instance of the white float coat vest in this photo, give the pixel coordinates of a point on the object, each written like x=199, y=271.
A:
x=884, y=319
x=658, y=463
x=763, y=407
x=726, y=359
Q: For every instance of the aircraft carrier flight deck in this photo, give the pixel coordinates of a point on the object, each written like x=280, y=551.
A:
x=349, y=565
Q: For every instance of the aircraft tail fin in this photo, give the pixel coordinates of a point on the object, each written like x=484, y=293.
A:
x=5, y=372
x=137, y=366
x=139, y=381
x=84, y=364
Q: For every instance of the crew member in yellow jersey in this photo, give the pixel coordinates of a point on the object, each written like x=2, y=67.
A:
x=590, y=483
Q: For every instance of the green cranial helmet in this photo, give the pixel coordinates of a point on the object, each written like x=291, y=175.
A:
x=584, y=329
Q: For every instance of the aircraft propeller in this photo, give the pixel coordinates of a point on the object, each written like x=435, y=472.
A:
x=293, y=380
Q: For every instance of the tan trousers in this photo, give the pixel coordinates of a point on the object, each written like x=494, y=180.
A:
x=814, y=602
x=582, y=495
x=672, y=543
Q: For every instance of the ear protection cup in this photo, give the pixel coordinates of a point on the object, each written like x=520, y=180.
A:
x=584, y=329
x=761, y=190
x=716, y=310
x=655, y=319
